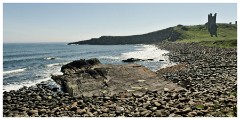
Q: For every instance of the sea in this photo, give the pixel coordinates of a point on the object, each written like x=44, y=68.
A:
x=27, y=64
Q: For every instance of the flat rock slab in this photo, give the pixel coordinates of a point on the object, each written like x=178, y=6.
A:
x=105, y=79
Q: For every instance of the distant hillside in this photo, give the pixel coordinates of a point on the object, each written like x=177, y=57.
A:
x=148, y=38
x=195, y=33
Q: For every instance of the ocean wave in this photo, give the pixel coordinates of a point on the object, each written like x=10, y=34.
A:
x=14, y=71
x=146, y=52
x=56, y=64
x=29, y=83
x=109, y=57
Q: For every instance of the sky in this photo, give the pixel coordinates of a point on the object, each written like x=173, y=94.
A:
x=69, y=22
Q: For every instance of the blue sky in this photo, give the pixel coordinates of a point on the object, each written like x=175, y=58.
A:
x=67, y=22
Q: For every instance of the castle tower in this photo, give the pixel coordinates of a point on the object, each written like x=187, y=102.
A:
x=212, y=25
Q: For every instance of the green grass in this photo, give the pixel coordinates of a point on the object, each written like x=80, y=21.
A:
x=227, y=35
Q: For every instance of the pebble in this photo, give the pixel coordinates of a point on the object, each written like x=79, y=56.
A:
x=186, y=110
x=159, y=113
x=192, y=114
x=33, y=111
x=144, y=113
x=105, y=110
x=166, y=89
x=74, y=104
x=42, y=111
x=154, y=108
x=49, y=97
x=157, y=104
x=74, y=108
x=81, y=111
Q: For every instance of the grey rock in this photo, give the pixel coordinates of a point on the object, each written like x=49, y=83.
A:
x=38, y=97
x=157, y=104
x=105, y=110
x=42, y=111
x=186, y=110
x=166, y=89
x=33, y=111
x=158, y=113
x=9, y=97
x=144, y=113
x=172, y=115
x=81, y=111
x=154, y=108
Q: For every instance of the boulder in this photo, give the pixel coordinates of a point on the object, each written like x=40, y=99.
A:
x=78, y=64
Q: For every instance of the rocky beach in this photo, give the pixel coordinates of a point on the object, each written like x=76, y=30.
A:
x=206, y=78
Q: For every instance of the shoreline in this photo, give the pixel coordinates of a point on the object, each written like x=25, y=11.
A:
x=196, y=100
x=55, y=65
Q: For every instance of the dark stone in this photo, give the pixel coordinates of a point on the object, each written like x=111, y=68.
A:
x=78, y=64
x=31, y=112
x=93, y=61
x=42, y=111
x=150, y=59
x=131, y=60
x=55, y=89
x=74, y=108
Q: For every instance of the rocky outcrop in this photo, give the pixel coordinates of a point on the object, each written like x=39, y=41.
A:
x=131, y=60
x=91, y=78
x=78, y=65
x=136, y=60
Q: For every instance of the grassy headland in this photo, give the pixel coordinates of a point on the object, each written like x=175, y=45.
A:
x=227, y=35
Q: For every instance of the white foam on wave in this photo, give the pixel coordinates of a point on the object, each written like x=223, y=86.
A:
x=146, y=52
x=29, y=83
x=160, y=60
x=168, y=65
x=51, y=58
x=109, y=57
x=14, y=71
x=56, y=64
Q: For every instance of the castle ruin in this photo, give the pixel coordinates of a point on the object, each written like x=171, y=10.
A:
x=211, y=24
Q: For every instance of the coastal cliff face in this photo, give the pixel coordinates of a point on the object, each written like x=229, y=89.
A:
x=149, y=38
